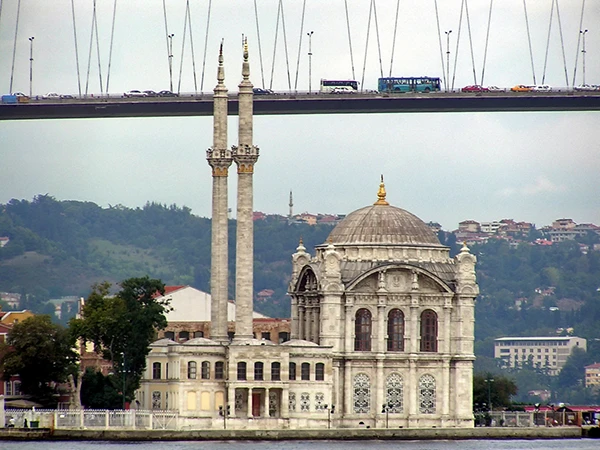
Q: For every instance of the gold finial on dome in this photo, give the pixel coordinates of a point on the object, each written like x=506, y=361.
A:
x=381, y=194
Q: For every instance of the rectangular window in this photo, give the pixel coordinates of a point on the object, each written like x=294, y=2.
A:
x=275, y=371
x=292, y=375
x=8, y=385
x=305, y=371
x=320, y=372
x=266, y=336
x=241, y=371
x=219, y=370
x=205, y=370
x=156, y=371
x=258, y=371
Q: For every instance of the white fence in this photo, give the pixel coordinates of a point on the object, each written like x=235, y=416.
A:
x=93, y=419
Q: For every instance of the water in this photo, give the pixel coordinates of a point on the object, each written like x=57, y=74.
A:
x=562, y=444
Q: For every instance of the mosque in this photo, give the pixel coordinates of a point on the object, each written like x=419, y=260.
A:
x=382, y=324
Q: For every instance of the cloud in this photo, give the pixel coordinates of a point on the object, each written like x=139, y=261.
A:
x=541, y=185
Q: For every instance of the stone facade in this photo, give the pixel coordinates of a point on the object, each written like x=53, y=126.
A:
x=382, y=330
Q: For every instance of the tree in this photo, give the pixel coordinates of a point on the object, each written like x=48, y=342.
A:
x=122, y=326
x=42, y=354
x=495, y=389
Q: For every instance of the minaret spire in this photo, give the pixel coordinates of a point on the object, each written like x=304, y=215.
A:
x=291, y=206
x=245, y=155
x=219, y=158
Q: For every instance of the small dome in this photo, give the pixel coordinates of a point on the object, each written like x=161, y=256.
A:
x=382, y=224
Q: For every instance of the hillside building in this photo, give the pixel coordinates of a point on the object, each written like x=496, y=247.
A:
x=549, y=353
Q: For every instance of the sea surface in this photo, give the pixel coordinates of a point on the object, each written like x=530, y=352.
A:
x=552, y=444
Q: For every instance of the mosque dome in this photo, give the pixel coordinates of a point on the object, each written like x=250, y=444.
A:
x=382, y=224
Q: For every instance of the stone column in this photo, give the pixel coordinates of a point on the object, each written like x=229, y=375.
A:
x=301, y=319
x=219, y=158
x=245, y=156
x=267, y=403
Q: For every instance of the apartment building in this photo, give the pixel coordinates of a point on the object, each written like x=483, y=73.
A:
x=592, y=375
x=541, y=352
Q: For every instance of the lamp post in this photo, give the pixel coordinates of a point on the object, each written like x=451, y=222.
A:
x=386, y=409
x=489, y=381
x=447, y=33
x=584, y=32
x=310, y=60
x=124, y=379
x=170, y=38
x=31, y=65
x=224, y=412
x=330, y=410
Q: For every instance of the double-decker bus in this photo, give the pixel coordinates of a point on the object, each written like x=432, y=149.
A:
x=335, y=86
x=408, y=84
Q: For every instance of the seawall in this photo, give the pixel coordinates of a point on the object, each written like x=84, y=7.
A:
x=288, y=435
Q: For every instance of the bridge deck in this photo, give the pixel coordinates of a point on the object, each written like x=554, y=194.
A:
x=304, y=104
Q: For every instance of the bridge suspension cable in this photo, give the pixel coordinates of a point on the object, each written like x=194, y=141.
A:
x=300, y=44
x=437, y=19
x=529, y=40
x=394, y=37
x=206, y=45
x=260, y=56
x=562, y=43
x=487, y=39
x=12, y=70
x=280, y=13
x=94, y=28
x=167, y=37
x=192, y=47
x=350, y=40
x=378, y=40
x=578, y=41
x=187, y=20
x=112, y=35
x=76, y=47
x=460, y=18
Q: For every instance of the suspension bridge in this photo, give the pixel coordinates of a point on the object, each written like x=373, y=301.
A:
x=108, y=46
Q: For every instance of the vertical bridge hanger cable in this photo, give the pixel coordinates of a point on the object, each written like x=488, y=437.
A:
x=350, y=40
x=578, y=41
x=299, y=44
x=394, y=36
x=260, y=55
x=529, y=40
x=439, y=32
x=205, y=45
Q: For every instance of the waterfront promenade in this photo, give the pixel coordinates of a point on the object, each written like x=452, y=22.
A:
x=293, y=435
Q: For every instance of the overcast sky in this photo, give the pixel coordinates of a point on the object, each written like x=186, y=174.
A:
x=444, y=167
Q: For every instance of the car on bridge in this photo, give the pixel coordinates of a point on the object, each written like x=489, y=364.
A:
x=167, y=94
x=51, y=96
x=587, y=87
x=150, y=93
x=135, y=93
x=496, y=89
x=541, y=88
x=521, y=88
x=261, y=91
x=474, y=88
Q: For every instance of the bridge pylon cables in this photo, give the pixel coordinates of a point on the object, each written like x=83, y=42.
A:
x=578, y=42
x=112, y=35
x=487, y=40
x=529, y=40
x=189, y=13
x=548, y=41
x=350, y=40
x=299, y=44
x=185, y=23
x=93, y=31
x=372, y=12
x=460, y=18
x=378, y=40
x=562, y=43
x=280, y=14
x=394, y=37
x=260, y=55
x=206, y=45
x=76, y=47
x=12, y=70
x=437, y=19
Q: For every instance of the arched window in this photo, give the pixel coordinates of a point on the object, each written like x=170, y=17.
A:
x=170, y=335
x=320, y=372
x=259, y=371
x=362, y=330
x=292, y=375
x=362, y=393
x=275, y=371
x=394, y=393
x=305, y=371
x=184, y=335
x=205, y=370
x=156, y=370
x=198, y=334
x=395, y=327
x=429, y=331
x=241, y=371
x=427, y=394
x=192, y=370
x=219, y=370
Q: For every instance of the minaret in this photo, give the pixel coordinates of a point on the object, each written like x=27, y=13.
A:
x=245, y=156
x=219, y=158
x=291, y=207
